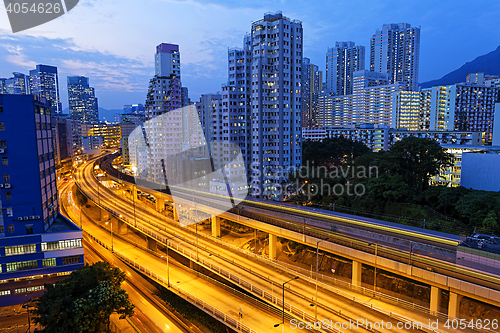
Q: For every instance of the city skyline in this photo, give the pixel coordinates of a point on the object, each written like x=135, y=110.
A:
x=120, y=64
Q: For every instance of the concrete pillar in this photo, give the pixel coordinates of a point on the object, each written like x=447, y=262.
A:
x=104, y=214
x=160, y=204
x=134, y=193
x=435, y=300
x=356, y=273
x=175, y=210
x=152, y=244
x=122, y=227
x=273, y=240
x=215, y=226
x=454, y=305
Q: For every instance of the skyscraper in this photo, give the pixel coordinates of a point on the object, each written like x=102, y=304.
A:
x=168, y=60
x=395, y=51
x=341, y=62
x=82, y=101
x=312, y=81
x=275, y=74
x=36, y=243
x=164, y=93
x=45, y=83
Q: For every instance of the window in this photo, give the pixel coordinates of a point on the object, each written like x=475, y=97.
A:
x=20, y=249
x=2, y=230
x=11, y=228
x=71, y=260
x=5, y=161
x=28, y=290
x=62, y=245
x=49, y=262
x=8, y=195
x=10, y=212
x=19, y=266
x=6, y=178
x=4, y=292
x=2, y=126
x=29, y=229
x=3, y=144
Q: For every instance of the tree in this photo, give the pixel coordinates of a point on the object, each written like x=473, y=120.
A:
x=331, y=151
x=417, y=160
x=84, y=301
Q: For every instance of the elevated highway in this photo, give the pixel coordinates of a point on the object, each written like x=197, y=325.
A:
x=477, y=285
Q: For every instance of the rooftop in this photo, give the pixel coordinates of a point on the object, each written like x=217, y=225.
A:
x=62, y=224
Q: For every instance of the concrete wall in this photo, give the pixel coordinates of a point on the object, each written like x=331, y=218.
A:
x=481, y=171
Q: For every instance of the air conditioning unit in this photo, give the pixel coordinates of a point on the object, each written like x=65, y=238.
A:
x=7, y=185
x=32, y=217
x=37, y=217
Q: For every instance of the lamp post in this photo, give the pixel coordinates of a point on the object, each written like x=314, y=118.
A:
x=375, y=271
x=168, y=268
x=316, y=298
x=134, y=194
x=409, y=258
x=283, y=301
x=28, y=307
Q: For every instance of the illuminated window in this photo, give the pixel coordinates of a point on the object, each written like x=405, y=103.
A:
x=49, y=262
x=20, y=249
x=19, y=266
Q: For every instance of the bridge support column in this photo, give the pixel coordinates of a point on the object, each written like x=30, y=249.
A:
x=175, y=210
x=134, y=193
x=152, y=244
x=104, y=214
x=122, y=227
x=160, y=204
x=356, y=273
x=435, y=300
x=454, y=305
x=273, y=240
x=215, y=226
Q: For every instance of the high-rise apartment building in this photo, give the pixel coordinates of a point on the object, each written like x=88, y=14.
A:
x=395, y=51
x=44, y=82
x=341, y=62
x=312, y=81
x=205, y=111
x=275, y=100
x=82, y=101
x=36, y=243
x=463, y=107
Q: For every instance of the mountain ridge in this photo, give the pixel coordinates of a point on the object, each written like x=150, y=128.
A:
x=487, y=63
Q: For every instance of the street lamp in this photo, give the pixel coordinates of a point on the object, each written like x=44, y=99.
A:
x=283, y=301
x=168, y=268
x=409, y=258
x=134, y=194
x=375, y=271
x=316, y=298
x=28, y=307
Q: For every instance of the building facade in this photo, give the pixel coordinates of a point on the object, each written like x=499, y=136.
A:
x=341, y=62
x=276, y=51
x=312, y=81
x=37, y=245
x=82, y=101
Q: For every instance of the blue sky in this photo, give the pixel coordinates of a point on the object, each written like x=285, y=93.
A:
x=113, y=41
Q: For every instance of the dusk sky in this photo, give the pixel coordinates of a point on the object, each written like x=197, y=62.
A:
x=113, y=41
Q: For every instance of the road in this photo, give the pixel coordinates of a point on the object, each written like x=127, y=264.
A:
x=255, y=318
